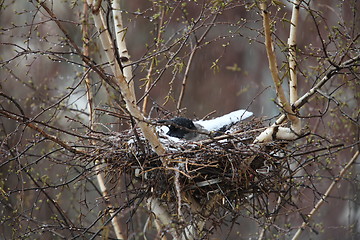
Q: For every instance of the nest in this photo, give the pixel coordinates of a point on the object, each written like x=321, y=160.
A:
x=225, y=171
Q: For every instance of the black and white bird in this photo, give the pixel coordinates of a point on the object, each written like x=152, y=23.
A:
x=186, y=129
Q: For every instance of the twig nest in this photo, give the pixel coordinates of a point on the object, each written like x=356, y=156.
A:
x=228, y=166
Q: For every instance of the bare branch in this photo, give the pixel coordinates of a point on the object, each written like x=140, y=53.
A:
x=188, y=65
x=325, y=196
x=41, y=131
x=273, y=64
x=98, y=168
x=105, y=194
x=126, y=91
x=271, y=133
x=152, y=64
x=160, y=213
x=72, y=43
x=120, y=34
x=292, y=52
x=276, y=132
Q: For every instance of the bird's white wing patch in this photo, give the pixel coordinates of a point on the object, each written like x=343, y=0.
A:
x=166, y=139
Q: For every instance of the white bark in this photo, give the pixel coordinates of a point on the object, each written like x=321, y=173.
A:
x=120, y=34
x=275, y=131
x=292, y=53
x=161, y=214
x=127, y=93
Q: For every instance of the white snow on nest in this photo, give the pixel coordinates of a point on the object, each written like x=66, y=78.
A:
x=225, y=120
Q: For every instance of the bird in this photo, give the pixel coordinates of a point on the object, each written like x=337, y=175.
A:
x=187, y=129
x=184, y=128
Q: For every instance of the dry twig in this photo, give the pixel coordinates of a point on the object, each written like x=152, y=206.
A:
x=325, y=196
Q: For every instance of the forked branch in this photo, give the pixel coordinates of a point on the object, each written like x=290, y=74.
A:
x=273, y=66
x=275, y=131
x=125, y=88
x=269, y=133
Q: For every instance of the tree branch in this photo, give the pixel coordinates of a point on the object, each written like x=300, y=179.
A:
x=41, y=131
x=127, y=93
x=325, y=196
x=269, y=135
x=292, y=52
x=78, y=51
x=99, y=175
x=120, y=32
x=152, y=64
x=273, y=64
x=161, y=214
x=275, y=131
x=186, y=73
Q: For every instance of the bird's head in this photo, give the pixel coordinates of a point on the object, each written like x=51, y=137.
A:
x=179, y=127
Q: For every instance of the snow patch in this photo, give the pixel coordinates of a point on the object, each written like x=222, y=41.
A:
x=225, y=120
